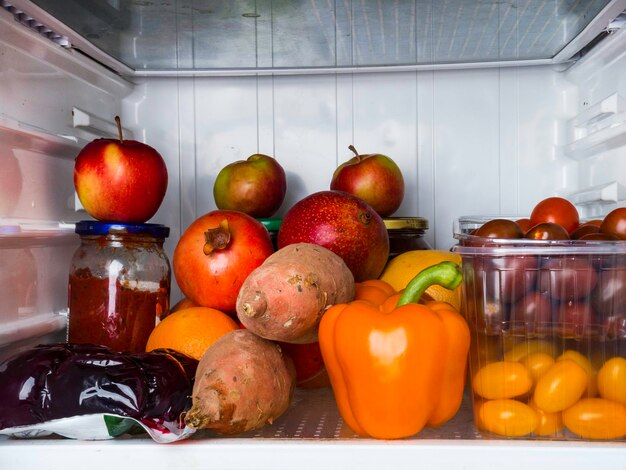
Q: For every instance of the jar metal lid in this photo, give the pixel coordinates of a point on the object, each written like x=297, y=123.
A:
x=92, y=227
x=272, y=225
x=406, y=223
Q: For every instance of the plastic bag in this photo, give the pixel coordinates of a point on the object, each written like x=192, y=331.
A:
x=86, y=391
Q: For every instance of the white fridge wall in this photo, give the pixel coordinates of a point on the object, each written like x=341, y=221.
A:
x=468, y=141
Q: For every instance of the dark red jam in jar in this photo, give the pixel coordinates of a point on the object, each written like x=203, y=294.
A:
x=406, y=234
x=119, y=284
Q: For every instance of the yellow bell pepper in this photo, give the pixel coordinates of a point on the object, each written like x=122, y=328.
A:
x=397, y=367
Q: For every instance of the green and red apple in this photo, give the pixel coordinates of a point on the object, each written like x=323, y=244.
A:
x=120, y=180
x=256, y=186
x=375, y=178
x=342, y=223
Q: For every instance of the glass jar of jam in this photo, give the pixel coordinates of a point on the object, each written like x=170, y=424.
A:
x=406, y=234
x=119, y=284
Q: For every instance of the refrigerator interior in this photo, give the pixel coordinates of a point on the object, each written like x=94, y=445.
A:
x=487, y=107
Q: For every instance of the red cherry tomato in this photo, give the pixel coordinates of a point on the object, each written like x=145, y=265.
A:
x=600, y=237
x=556, y=210
x=608, y=297
x=583, y=230
x=499, y=228
x=615, y=223
x=567, y=277
x=547, y=231
x=524, y=224
x=532, y=313
x=596, y=222
x=615, y=326
x=574, y=318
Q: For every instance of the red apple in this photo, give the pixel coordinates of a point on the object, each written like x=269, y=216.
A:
x=255, y=186
x=309, y=364
x=342, y=223
x=375, y=178
x=120, y=180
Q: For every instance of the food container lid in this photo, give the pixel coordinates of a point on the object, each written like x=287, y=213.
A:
x=272, y=225
x=91, y=227
x=471, y=245
x=406, y=223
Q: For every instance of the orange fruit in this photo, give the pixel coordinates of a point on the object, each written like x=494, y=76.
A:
x=404, y=267
x=181, y=304
x=191, y=331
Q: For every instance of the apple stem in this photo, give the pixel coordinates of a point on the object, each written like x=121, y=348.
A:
x=119, y=128
x=353, y=149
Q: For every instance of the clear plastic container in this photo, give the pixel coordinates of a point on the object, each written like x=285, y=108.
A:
x=548, y=322
x=119, y=284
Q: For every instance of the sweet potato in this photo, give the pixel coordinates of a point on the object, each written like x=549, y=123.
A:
x=285, y=297
x=242, y=383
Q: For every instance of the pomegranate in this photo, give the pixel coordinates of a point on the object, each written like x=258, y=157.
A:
x=215, y=255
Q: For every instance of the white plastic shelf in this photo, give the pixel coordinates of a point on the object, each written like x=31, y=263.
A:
x=600, y=128
x=311, y=435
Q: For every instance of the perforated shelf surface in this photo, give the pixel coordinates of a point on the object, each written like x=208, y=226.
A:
x=314, y=415
x=311, y=435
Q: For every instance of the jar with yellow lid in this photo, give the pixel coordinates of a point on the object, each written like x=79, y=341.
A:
x=406, y=234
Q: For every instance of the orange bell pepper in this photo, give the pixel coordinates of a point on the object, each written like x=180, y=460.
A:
x=396, y=366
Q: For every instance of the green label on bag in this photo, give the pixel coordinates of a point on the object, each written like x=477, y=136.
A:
x=116, y=426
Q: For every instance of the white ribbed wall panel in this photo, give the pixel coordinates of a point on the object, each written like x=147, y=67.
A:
x=468, y=141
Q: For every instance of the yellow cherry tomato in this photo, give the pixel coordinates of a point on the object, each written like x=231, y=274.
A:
x=612, y=380
x=502, y=379
x=477, y=404
x=596, y=418
x=561, y=386
x=585, y=363
x=508, y=417
x=523, y=349
x=537, y=363
x=549, y=424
